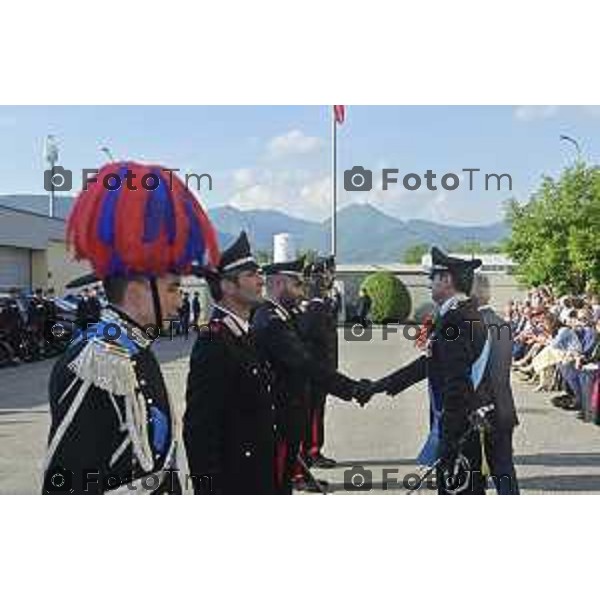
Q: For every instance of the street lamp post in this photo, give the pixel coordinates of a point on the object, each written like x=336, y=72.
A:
x=108, y=153
x=568, y=138
x=51, y=156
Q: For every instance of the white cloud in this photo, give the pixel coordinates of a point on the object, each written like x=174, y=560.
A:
x=244, y=177
x=293, y=143
x=296, y=192
x=307, y=195
x=534, y=112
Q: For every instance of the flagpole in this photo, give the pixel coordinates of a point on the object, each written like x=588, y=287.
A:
x=333, y=183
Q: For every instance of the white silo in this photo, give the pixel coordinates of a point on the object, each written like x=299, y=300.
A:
x=284, y=248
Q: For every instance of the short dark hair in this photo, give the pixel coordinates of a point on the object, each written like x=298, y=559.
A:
x=461, y=279
x=115, y=288
x=214, y=284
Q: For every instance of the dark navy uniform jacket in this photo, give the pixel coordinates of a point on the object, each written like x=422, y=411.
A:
x=111, y=425
x=229, y=423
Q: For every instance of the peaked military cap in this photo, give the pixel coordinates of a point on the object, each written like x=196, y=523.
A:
x=320, y=264
x=83, y=281
x=293, y=267
x=443, y=262
x=238, y=256
x=461, y=270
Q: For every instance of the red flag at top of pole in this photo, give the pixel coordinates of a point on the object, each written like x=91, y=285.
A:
x=339, y=113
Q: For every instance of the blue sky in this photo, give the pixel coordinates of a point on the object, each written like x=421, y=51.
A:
x=279, y=156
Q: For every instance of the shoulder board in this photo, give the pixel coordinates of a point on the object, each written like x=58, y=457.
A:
x=107, y=366
x=233, y=327
x=213, y=327
x=278, y=311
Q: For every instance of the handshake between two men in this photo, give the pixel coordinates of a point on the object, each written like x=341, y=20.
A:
x=365, y=389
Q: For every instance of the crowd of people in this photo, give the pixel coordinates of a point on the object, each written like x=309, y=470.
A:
x=556, y=347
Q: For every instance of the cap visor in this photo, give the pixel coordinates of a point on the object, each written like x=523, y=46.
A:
x=82, y=281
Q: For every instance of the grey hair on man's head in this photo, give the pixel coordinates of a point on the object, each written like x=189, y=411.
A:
x=481, y=290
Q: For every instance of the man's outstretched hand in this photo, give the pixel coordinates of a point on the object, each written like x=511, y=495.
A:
x=364, y=390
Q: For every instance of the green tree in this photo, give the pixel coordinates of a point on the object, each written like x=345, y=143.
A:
x=475, y=247
x=556, y=235
x=413, y=254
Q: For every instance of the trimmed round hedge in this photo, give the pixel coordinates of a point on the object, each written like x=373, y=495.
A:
x=390, y=298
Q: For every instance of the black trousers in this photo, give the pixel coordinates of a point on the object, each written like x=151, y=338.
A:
x=315, y=435
x=499, y=454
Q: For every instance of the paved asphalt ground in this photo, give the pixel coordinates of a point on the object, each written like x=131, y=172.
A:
x=556, y=453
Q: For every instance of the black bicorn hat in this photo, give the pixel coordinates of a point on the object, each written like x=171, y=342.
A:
x=461, y=270
x=443, y=262
x=293, y=267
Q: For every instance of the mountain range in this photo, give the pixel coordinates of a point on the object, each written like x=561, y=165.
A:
x=365, y=234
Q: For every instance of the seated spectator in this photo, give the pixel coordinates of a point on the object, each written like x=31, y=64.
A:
x=582, y=349
x=539, y=340
x=522, y=332
x=564, y=344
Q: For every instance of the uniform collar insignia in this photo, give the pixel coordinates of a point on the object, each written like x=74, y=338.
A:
x=282, y=312
x=236, y=324
x=451, y=304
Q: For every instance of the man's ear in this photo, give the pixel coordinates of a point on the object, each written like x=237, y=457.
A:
x=226, y=286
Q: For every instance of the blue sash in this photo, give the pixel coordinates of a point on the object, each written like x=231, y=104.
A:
x=431, y=448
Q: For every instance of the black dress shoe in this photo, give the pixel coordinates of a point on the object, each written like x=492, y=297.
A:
x=323, y=462
x=560, y=401
x=322, y=487
x=308, y=485
x=572, y=405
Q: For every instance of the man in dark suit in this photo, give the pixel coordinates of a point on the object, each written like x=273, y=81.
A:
x=184, y=314
x=275, y=324
x=229, y=423
x=196, y=309
x=317, y=326
x=455, y=364
x=14, y=323
x=498, y=439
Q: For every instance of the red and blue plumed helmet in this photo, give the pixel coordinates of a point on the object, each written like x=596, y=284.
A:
x=149, y=232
